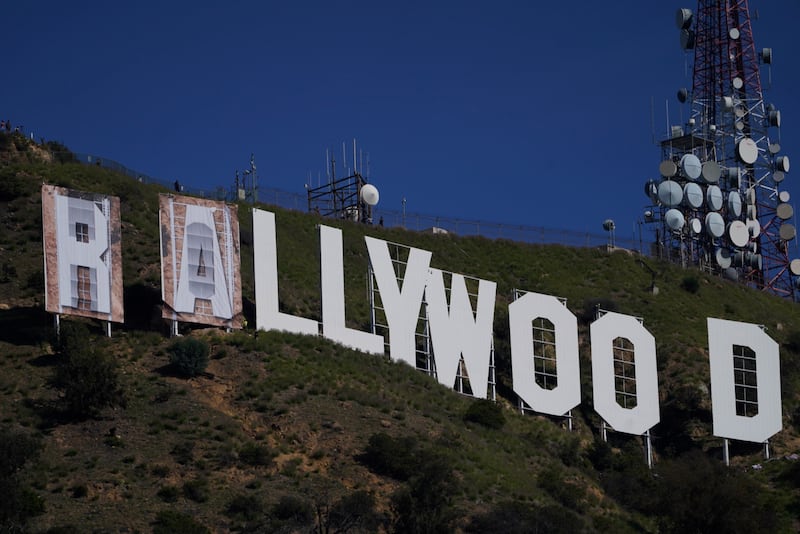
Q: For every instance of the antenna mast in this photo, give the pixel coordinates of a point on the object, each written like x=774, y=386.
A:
x=718, y=202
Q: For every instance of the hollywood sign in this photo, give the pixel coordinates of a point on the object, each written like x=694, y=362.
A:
x=201, y=283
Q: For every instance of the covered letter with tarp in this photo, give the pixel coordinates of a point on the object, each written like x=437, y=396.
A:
x=200, y=251
x=82, y=254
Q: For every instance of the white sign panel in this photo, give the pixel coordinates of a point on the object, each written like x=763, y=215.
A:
x=332, y=274
x=265, y=260
x=400, y=304
x=722, y=337
x=458, y=331
x=645, y=414
x=521, y=314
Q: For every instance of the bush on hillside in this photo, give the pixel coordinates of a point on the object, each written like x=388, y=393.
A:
x=424, y=504
x=394, y=457
x=188, y=356
x=690, y=284
x=87, y=375
x=18, y=503
x=171, y=522
x=485, y=413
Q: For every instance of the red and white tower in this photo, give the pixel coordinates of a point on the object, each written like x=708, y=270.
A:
x=718, y=203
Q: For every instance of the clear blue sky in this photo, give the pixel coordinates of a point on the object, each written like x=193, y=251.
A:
x=508, y=111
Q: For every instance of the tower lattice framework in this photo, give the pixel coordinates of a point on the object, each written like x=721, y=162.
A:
x=718, y=203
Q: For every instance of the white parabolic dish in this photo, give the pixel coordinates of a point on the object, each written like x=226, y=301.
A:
x=674, y=219
x=738, y=234
x=735, y=203
x=693, y=195
x=715, y=224
x=747, y=150
x=714, y=197
x=691, y=167
x=369, y=194
x=670, y=193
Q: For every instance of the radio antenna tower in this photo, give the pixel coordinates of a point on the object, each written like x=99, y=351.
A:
x=718, y=202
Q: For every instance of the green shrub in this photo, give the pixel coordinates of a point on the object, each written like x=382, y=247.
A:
x=255, y=454
x=294, y=510
x=520, y=518
x=390, y=456
x=168, y=493
x=425, y=503
x=87, y=375
x=169, y=522
x=690, y=284
x=355, y=511
x=486, y=413
x=196, y=490
x=17, y=503
x=188, y=356
x=243, y=507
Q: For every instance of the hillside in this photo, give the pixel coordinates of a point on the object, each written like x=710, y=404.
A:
x=296, y=434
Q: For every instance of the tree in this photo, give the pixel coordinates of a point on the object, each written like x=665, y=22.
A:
x=17, y=503
x=424, y=505
x=87, y=375
x=188, y=356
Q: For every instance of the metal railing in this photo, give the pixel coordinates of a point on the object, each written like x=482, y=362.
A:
x=419, y=222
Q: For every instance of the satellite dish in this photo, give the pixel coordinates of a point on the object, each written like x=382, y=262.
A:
x=747, y=150
x=715, y=224
x=778, y=177
x=787, y=232
x=733, y=33
x=750, y=195
x=731, y=274
x=739, y=111
x=691, y=167
x=608, y=225
x=738, y=234
x=683, y=19
x=784, y=211
x=738, y=83
x=747, y=259
x=794, y=266
x=723, y=257
x=782, y=163
x=714, y=197
x=752, y=212
x=692, y=195
x=674, y=219
x=687, y=39
x=784, y=196
x=369, y=194
x=774, y=148
x=774, y=118
x=651, y=190
x=735, y=203
x=667, y=168
x=753, y=260
x=696, y=226
x=670, y=193
x=683, y=94
x=732, y=174
x=711, y=171
x=753, y=228
x=727, y=101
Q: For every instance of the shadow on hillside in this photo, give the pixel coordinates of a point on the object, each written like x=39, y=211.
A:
x=142, y=307
x=169, y=370
x=25, y=326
